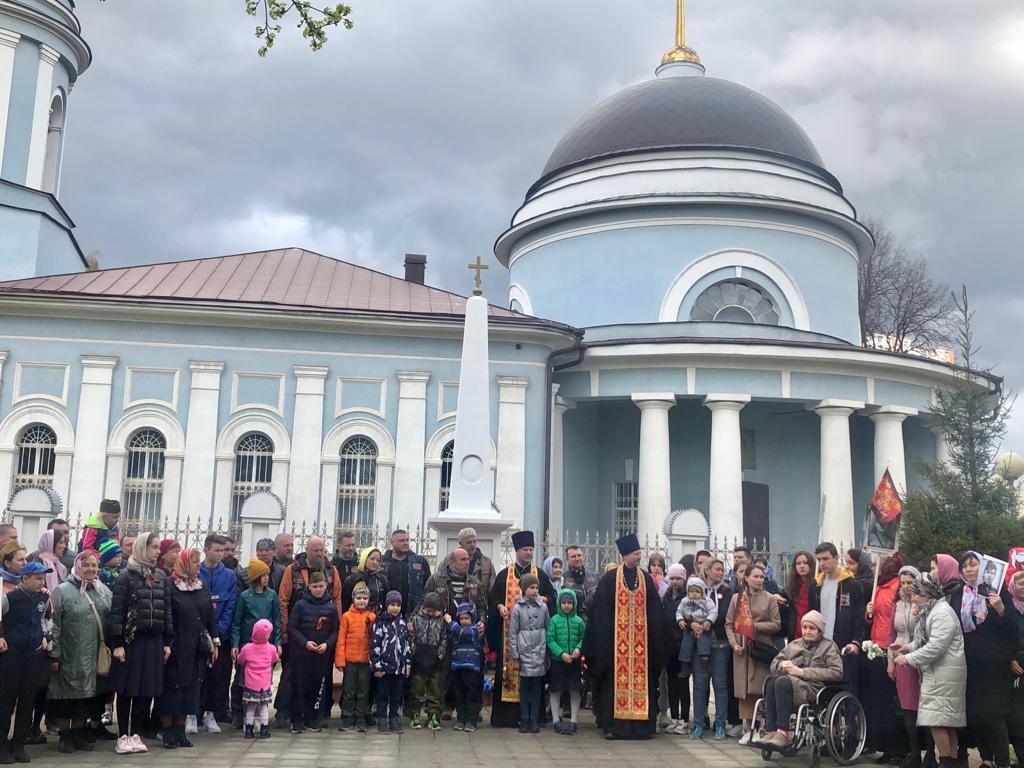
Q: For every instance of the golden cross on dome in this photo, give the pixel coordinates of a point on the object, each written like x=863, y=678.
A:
x=477, y=267
x=681, y=52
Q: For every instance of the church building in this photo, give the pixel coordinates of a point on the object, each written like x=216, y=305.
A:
x=680, y=333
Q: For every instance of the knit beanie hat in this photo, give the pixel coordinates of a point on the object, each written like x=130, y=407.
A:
x=696, y=581
x=529, y=580
x=393, y=597
x=109, y=549
x=9, y=548
x=256, y=568
x=814, y=618
x=166, y=545
x=676, y=569
x=432, y=601
x=360, y=589
x=317, y=577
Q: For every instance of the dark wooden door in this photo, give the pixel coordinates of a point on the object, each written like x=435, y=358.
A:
x=755, y=513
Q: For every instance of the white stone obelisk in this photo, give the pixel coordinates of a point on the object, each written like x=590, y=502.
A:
x=472, y=488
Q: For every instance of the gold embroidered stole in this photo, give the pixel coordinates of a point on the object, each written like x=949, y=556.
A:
x=510, y=676
x=631, y=652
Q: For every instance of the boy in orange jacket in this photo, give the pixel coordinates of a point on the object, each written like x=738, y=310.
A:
x=352, y=655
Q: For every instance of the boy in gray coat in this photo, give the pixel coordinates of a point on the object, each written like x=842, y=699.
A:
x=528, y=643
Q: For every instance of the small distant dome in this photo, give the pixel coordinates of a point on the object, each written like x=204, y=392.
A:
x=684, y=113
x=1010, y=465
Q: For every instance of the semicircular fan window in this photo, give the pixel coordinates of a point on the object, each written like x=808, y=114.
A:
x=735, y=301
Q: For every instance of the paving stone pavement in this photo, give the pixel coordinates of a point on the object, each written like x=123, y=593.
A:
x=491, y=747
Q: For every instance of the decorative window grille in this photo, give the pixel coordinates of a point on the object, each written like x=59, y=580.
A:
x=624, y=516
x=447, y=457
x=254, y=469
x=735, y=301
x=357, y=482
x=143, y=489
x=36, y=457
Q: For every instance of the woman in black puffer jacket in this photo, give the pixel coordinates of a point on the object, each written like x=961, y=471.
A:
x=140, y=632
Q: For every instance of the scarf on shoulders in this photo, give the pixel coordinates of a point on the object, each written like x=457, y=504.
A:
x=185, y=571
x=743, y=621
x=973, y=606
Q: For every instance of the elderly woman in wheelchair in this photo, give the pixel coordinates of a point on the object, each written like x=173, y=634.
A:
x=798, y=673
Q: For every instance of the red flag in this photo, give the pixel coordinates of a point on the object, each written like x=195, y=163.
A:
x=885, y=504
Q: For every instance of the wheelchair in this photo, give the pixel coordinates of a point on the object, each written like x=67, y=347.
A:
x=835, y=723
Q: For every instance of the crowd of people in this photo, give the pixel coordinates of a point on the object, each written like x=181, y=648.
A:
x=160, y=640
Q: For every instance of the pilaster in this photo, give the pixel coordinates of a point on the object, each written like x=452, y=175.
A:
x=201, y=442
x=90, y=454
x=410, y=442
x=510, y=483
x=307, y=436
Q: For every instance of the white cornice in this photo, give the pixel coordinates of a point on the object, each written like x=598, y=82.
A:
x=68, y=32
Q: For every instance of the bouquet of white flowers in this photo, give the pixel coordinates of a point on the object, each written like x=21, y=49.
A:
x=872, y=650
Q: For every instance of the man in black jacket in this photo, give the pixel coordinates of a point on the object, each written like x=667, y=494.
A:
x=841, y=601
x=346, y=555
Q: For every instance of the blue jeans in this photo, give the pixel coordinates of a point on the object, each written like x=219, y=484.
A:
x=703, y=644
x=530, y=693
x=717, y=672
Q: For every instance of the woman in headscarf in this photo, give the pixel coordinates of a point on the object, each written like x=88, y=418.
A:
x=946, y=571
x=859, y=563
x=1015, y=614
x=937, y=651
x=799, y=672
x=140, y=632
x=877, y=690
x=753, y=617
x=53, y=544
x=553, y=568
x=368, y=572
x=989, y=645
x=169, y=551
x=194, y=644
x=907, y=679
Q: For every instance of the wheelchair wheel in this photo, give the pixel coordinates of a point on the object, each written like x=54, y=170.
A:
x=766, y=754
x=845, y=728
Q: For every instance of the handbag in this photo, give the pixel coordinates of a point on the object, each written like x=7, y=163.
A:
x=762, y=652
x=103, y=655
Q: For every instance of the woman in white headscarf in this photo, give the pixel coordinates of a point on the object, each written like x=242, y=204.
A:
x=52, y=545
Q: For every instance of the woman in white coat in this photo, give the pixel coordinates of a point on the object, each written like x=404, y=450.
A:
x=937, y=650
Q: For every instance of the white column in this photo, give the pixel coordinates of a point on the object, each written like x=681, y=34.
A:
x=510, y=483
x=201, y=442
x=654, y=500
x=941, y=446
x=410, y=442
x=556, y=486
x=48, y=58
x=91, y=431
x=115, y=473
x=431, y=485
x=889, y=454
x=224, y=471
x=307, y=438
x=63, y=455
x=382, y=500
x=8, y=44
x=725, y=503
x=836, y=474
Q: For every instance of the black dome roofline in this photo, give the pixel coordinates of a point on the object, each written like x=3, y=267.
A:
x=818, y=170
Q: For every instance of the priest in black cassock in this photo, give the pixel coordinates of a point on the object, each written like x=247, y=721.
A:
x=504, y=593
x=624, y=646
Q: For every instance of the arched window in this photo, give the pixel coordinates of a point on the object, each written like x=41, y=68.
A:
x=735, y=301
x=36, y=457
x=51, y=161
x=143, y=490
x=357, y=482
x=254, y=468
x=447, y=456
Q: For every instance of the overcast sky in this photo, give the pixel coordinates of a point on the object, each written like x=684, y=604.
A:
x=421, y=129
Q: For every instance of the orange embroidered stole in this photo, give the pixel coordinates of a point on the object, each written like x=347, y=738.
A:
x=631, y=652
x=510, y=676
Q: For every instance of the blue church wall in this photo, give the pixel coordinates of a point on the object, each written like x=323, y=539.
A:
x=754, y=383
x=583, y=503
x=628, y=380
x=919, y=447
x=613, y=292
x=821, y=386
x=689, y=428
x=910, y=395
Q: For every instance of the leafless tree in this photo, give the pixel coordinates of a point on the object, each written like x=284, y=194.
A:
x=902, y=308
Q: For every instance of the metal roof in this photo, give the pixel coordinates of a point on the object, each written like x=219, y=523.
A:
x=683, y=112
x=287, y=278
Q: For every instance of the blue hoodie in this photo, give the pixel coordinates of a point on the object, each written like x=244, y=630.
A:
x=221, y=582
x=467, y=645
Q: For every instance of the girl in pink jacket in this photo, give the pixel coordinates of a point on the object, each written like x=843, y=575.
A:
x=258, y=657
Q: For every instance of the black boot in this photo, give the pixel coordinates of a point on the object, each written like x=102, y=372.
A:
x=180, y=738
x=250, y=732
x=168, y=735
x=80, y=736
x=264, y=732
x=6, y=758
x=19, y=754
x=65, y=742
x=395, y=724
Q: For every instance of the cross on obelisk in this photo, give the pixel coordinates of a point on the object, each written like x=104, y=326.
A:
x=476, y=267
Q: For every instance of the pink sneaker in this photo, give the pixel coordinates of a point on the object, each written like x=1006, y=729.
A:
x=123, y=746
x=137, y=744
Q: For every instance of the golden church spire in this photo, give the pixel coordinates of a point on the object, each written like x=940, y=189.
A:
x=680, y=52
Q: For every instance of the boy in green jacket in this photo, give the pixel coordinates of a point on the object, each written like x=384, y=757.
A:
x=565, y=640
x=259, y=601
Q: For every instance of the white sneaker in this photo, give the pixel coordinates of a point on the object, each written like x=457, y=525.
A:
x=744, y=739
x=123, y=746
x=734, y=731
x=191, y=726
x=210, y=723
x=108, y=715
x=682, y=727
x=137, y=744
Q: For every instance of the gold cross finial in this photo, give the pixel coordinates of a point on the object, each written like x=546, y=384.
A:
x=681, y=52
x=476, y=267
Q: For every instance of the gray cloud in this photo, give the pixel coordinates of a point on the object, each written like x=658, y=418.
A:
x=422, y=128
